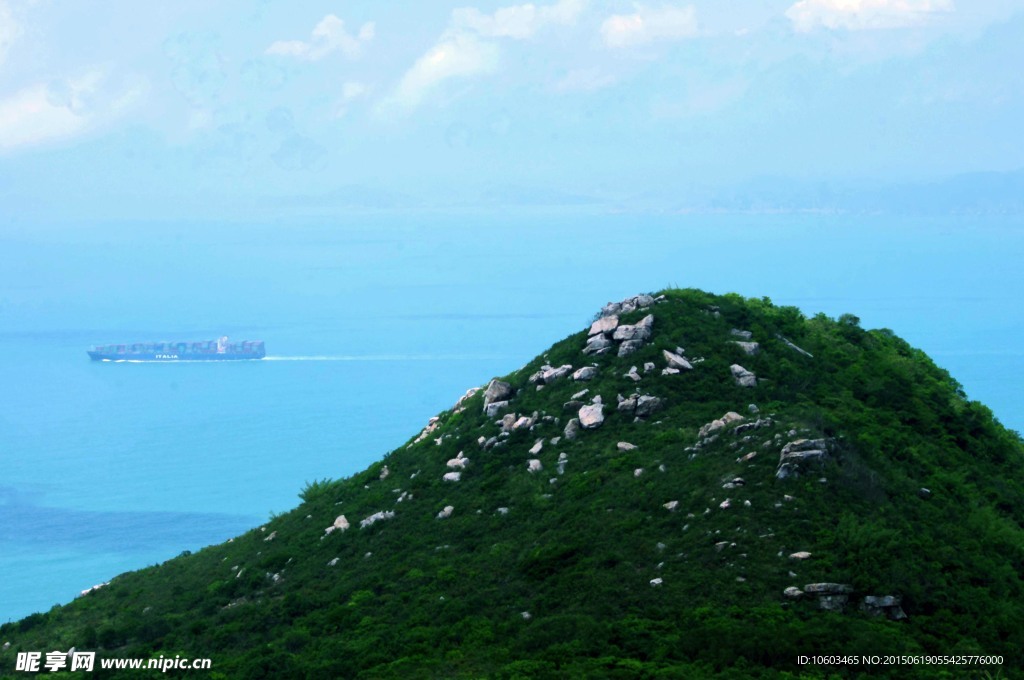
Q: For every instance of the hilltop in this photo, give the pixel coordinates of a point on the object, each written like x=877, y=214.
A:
x=693, y=485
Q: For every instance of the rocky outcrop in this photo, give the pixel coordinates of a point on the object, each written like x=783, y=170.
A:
x=376, y=517
x=718, y=423
x=884, y=605
x=676, y=361
x=742, y=376
x=749, y=348
x=598, y=344
x=798, y=454
x=605, y=324
x=591, y=416
x=547, y=374
x=497, y=391
x=742, y=335
x=606, y=331
x=628, y=305
x=638, y=331
x=831, y=596
x=646, y=406
x=585, y=373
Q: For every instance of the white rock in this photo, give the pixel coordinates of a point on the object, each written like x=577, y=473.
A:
x=340, y=523
x=452, y=476
x=656, y=582
x=333, y=562
x=670, y=371
x=385, y=472
x=585, y=373
x=376, y=517
x=637, y=472
x=502, y=511
x=671, y=506
x=537, y=446
x=580, y=394
x=533, y=465
x=591, y=416
x=802, y=555
x=724, y=505
x=793, y=593
x=604, y=324
x=648, y=366
x=625, y=446
x=675, y=361
x=458, y=462
x=447, y=512
x=742, y=376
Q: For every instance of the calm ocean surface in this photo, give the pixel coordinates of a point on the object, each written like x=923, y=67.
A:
x=374, y=325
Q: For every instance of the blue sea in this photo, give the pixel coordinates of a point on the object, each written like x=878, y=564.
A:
x=373, y=324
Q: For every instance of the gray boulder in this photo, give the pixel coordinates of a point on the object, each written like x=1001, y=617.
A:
x=585, y=373
x=742, y=376
x=638, y=331
x=571, y=429
x=749, y=348
x=675, y=361
x=495, y=407
x=629, y=346
x=597, y=344
x=646, y=406
x=742, y=335
x=497, y=390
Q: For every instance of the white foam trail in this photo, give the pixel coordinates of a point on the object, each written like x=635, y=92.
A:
x=364, y=357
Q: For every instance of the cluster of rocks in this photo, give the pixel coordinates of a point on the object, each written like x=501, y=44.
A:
x=496, y=397
x=835, y=596
x=460, y=404
x=548, y=374
x=340, y=524
x=638, y=405
x=798, y=454
x=630, y=304
x=745, y=342
x=606, y=332
x=376, y=517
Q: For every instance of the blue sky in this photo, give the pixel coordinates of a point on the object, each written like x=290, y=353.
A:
x=201, y=110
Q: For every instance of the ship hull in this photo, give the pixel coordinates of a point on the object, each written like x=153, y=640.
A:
x=152, y=357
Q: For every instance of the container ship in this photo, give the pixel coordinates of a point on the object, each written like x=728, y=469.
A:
x=207, y=350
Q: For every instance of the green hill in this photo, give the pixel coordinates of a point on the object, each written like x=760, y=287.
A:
x=762, y=486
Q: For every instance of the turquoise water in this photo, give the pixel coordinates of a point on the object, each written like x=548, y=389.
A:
x=372, y=326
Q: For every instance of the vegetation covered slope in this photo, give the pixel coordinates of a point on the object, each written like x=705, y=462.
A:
x=553, y=556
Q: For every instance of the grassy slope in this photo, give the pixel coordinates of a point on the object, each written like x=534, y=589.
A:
x=421, y=596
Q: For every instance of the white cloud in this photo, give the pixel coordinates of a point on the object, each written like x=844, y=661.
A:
x=648, y=24
x=48, y=112
x=458, y=55
x=461, y=52
x=328, y=36
x=518, y=22
x=855, y=15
